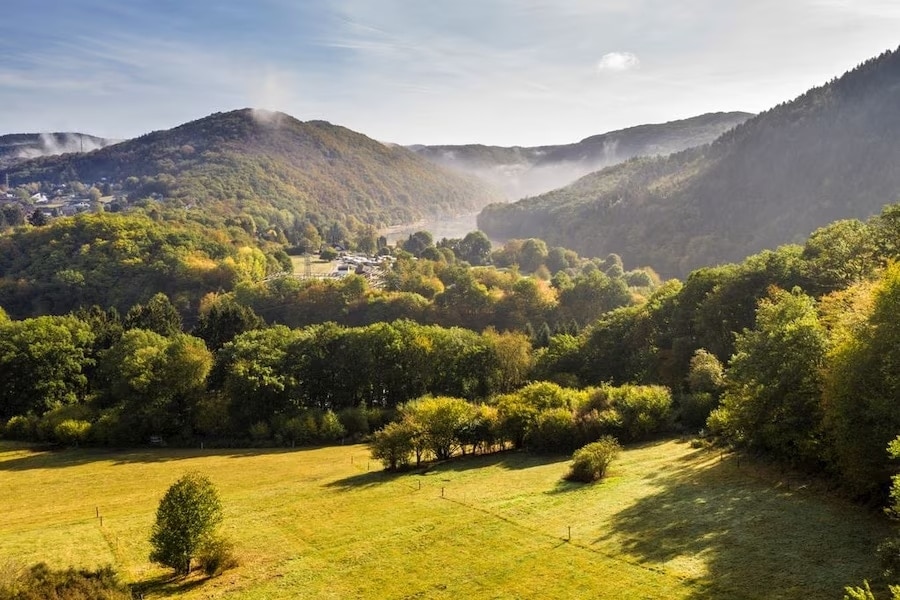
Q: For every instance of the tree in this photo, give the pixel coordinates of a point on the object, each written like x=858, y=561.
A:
x=38, y=218
x=42, y=364
x=394, y=444
x=223, y=318
x=475, y=248
x=706, y=374
x=534, y=253
x=772, y=397
x=861, y=387
x=156, y=379
x=186, y=519
x=417, y=242
x=158, y=315
x=441, y=420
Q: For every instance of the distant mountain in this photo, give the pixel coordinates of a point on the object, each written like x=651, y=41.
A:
x=832, y=153
x=19, y=147
x=526, y=171
x=272, y=167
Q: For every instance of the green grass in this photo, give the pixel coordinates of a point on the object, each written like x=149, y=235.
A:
x=317, y=265
x=669, y=522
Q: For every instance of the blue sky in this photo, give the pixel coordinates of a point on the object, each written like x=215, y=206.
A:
x=503, y=72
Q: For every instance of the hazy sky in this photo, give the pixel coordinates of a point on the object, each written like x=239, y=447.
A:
x=505, y=72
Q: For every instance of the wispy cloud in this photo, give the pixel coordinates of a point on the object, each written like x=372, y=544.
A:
x=618, y=61
x=443, y=71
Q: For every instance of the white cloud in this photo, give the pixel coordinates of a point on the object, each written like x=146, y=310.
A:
x=618, y=61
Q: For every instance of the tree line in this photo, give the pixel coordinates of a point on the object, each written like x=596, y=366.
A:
x=789, y=353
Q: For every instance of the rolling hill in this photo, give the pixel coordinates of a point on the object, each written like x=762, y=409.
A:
x=830, y=154
x=272, y=167
x=526, y=171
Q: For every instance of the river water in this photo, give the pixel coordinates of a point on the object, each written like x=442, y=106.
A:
x=448, y=227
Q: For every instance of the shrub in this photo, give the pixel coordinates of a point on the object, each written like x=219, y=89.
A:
x=299, y=430
x=216, y=556
x=260, y=432
x=21, y=427
x=590, y=462
x=40, y=582
x=72, y=432
x=696, y=408
x=553, y=431
x=355, y=421
x=889, y=554
x=331, y=429
x=394, y=445
x=644, y=409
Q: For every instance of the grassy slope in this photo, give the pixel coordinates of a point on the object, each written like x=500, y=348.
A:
x=670, y=522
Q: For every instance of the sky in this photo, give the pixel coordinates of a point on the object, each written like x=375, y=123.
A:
x=503, y=72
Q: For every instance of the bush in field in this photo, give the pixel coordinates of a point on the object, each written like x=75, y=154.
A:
x=216, y=555
x=394, y=445
x=590, y=462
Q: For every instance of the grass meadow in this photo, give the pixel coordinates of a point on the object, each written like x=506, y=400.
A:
x=670, y=521
x=317, y=266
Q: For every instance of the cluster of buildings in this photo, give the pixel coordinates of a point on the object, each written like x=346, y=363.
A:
x=60, y=200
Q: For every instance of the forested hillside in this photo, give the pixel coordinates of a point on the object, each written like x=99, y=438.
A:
x=526, y=171
x=116, y=260
x=280, y=171
x=829, y=154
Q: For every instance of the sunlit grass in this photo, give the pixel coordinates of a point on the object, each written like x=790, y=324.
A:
x=317, y=266
x=668, y=522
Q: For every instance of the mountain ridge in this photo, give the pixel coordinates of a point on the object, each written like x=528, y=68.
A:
x=828, y=154
x=523, y=171
x=263, y=162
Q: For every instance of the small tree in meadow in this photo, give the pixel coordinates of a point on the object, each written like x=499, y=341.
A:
x=186, y=520
x=590, y=462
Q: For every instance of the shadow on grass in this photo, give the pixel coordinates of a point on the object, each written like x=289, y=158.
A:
x=507, y=459
x=44, y=457
x=368, y=479
x=166, y=586
x=756, y=536
x=457, y=464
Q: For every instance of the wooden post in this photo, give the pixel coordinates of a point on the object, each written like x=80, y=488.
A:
x=420, y=484
x=98, y=511
x=570, y=534
x=442, y=492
